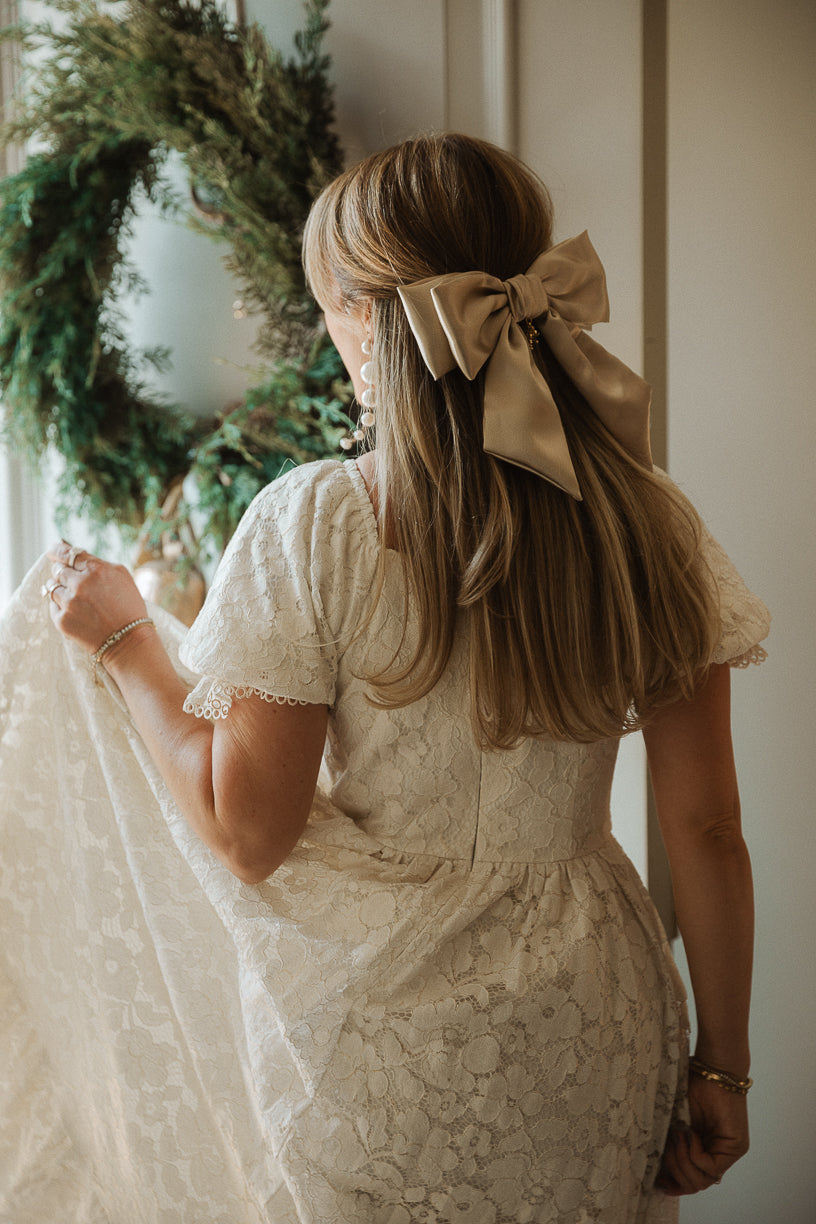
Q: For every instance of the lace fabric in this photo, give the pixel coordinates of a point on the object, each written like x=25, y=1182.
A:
x=278, y=615
x=212, y=699
x=744, y=619
x=453, y=1002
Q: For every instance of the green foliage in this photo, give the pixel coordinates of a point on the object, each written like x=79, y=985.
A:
x=113, y=92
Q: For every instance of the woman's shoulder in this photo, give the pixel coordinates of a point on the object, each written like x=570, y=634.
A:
x=302, y=559
x=319, y=480
x=323, y=496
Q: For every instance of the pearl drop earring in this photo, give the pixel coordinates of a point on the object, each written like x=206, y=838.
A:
x=367, y=400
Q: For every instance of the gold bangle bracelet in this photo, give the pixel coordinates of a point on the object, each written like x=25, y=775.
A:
x=729, y=1082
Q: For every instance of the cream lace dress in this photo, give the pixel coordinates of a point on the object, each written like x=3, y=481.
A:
x=452, y=1003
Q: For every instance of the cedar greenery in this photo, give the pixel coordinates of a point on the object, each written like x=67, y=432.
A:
x=112, y=92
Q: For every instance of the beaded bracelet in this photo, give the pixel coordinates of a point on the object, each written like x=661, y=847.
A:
x=113, y=639
x=729, y=1082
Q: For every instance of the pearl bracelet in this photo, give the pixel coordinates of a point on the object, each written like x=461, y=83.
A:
x=729, y=1082
x=113, y=639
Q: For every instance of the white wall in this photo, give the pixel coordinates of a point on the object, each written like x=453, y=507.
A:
x=579, y=127
x=188, y=308
x=742, y=434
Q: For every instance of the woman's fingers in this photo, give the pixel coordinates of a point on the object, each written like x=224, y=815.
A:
x=687, y=1168
x=61, y=574
x=697, y=1156
x=90, y=598
x=69, y=555
x=69, y=566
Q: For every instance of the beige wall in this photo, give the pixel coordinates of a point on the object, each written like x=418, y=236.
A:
x=742, y=434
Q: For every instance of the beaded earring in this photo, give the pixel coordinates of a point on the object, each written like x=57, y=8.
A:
x=367, y=399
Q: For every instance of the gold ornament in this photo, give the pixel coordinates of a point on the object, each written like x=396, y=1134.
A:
x=164, y=573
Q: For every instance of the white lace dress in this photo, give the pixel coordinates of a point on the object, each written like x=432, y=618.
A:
x=452, y=1003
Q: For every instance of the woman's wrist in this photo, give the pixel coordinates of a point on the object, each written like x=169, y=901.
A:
x=115, y=654
x=739, y=1085
x=733, y=1060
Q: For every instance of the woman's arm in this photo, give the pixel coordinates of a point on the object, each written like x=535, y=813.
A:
x=691, y=763
x=245, y=785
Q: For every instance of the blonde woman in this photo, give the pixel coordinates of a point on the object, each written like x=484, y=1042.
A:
x=436, y=990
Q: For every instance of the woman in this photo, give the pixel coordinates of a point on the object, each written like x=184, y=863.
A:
x=440, y=991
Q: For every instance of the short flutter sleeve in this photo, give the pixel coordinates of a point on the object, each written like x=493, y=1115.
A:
x=287, y=596
x=744, y=619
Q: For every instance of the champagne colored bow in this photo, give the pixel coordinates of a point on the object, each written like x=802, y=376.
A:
x=470, y=320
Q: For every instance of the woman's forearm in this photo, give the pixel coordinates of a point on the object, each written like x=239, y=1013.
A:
x=715, y=914
x=180, y=744
x=691, y=763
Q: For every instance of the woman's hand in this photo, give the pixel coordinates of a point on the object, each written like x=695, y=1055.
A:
x=696, y=1157
x=90, y=599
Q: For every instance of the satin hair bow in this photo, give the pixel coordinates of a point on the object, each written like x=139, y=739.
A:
x=471, y=320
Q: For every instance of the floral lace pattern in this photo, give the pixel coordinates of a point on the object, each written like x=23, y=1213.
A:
x=744, y=619
x=452, y=1004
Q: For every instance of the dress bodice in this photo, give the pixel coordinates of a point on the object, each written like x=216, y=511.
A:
x=415, y=779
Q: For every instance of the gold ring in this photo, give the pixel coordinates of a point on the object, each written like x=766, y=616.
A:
x=51, y=587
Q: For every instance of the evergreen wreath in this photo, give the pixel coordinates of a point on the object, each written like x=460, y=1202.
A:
x=113, y=92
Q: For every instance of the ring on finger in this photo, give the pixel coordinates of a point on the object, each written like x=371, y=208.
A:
x=73, y=553
x=50, y=587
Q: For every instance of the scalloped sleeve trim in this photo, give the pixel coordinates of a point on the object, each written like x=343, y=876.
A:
x=213, y=698
x=756, y=655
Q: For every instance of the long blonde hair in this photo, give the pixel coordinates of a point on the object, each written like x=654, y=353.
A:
x=582, y=617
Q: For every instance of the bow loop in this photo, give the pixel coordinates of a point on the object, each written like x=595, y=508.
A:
x=469, y=320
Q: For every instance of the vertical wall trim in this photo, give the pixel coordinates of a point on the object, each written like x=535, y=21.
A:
x=447, y=35
x=11, y=156
x=21, y=523
x=654, y=77
x=500, y=65
x=655, y=216
x=21, y=517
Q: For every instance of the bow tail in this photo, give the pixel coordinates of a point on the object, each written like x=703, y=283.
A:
x=522, y=424
x=618, y=396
